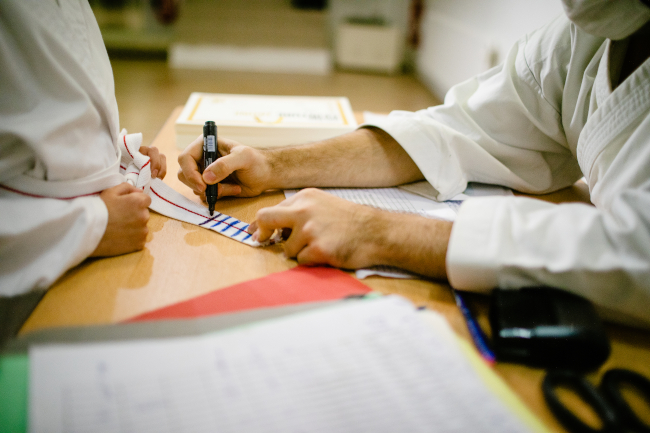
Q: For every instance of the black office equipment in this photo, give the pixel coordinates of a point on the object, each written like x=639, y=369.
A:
x=547, y=327
x=607, y=401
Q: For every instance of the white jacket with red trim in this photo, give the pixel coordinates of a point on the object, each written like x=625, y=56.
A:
x=59, y=131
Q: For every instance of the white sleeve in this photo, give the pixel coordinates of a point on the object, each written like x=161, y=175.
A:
x=517, y=242
x=41, y=238
x=602, y=252
x=501, y=127
x=506, y=127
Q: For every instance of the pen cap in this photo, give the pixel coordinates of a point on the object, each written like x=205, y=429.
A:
x=210, y=128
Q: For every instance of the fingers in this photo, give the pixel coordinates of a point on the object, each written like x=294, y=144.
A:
x=188, y=172
x=163, y=167
x=271, y=218
x=310, y=255
x=128, y=214
x=121, y=189
x=145, y=200
x=295, y=243
x=283, y=216
x=135, y=199
x=158, y=161
x=228, y=189
x=228, y=164
x=135, y=196
x=154, y=158
x=252, y=227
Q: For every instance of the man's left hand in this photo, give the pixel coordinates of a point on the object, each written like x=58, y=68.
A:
x=325, y=229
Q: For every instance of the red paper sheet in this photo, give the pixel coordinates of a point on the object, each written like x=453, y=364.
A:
x=298, y=285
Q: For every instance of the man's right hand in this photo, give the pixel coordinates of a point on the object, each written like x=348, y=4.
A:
x=241, y=171
x=128, y=214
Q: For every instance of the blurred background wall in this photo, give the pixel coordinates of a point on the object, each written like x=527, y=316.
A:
x=383, y=55
x=442, y=41
x=461, y=38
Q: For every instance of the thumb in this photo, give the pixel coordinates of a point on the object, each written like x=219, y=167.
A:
x=271, y=218
x=217, y=171
x=226, y=165
x=124, y=189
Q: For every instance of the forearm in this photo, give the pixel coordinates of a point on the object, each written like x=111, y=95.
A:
x=410, y=242
x=367, y=157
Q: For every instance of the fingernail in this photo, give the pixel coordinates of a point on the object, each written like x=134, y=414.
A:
x=209, y=177
x=154, y=174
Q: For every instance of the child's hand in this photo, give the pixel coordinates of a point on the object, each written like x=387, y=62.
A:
x=128, y=214
x=158, y=161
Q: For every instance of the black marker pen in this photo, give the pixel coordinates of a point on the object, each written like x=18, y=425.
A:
x=210, y=154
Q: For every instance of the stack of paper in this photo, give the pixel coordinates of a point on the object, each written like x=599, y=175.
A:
x=265, y=121
x=372, y=365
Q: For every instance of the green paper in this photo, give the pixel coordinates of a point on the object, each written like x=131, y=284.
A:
x=14, y=370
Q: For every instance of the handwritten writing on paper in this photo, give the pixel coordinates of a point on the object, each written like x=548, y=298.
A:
x=370, y=365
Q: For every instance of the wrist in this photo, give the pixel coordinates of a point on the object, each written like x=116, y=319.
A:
x=281, y=169
x=273, y=168
x=413, y=243
x=377, y=236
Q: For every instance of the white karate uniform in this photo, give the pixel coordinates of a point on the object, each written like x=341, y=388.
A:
x=59, y=127
x=538, y=123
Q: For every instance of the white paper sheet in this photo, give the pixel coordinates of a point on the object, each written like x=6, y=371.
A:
x=402, y=200
x=391, y=199
x=375, y=365
x=386, y=272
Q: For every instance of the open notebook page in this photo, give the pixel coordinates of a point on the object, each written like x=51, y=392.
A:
x=412, y=198
x=392, y=199
x=372, y=365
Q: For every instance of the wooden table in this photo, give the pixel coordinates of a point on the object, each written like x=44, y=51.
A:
x=181, y=261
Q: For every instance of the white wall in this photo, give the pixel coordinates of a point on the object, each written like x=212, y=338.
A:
x=461, y=38
x=393, y=12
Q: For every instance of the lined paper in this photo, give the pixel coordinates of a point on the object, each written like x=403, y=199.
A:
x=391, y=199
x=372, y=365
x=401, y=199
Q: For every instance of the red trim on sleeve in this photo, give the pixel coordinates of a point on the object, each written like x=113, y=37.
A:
x=44, y=196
